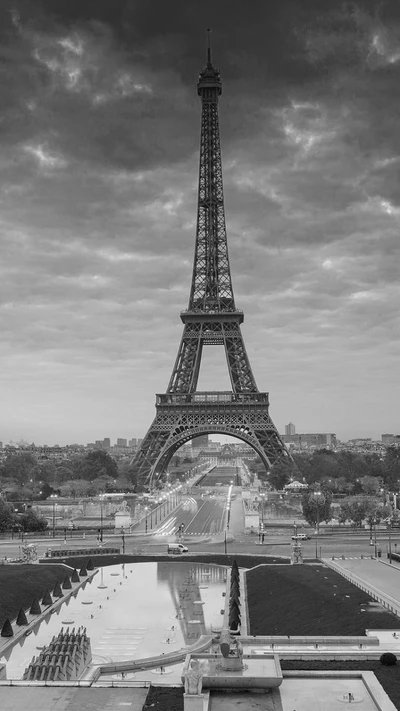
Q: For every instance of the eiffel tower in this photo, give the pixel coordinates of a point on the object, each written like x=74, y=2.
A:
x=211, y=319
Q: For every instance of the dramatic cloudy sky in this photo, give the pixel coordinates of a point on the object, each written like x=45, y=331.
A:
x=99, y=136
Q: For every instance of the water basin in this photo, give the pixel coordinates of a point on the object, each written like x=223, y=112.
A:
x=124, y=622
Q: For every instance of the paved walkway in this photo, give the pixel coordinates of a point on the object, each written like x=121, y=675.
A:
x=379, y=577
x=16, y=698
x=236, y=524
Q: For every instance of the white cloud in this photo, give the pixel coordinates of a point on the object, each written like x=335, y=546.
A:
x=45, y=157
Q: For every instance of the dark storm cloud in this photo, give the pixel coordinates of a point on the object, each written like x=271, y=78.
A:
x=99, y=160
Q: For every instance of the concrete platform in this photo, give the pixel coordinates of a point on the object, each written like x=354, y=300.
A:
x=57, y=698
x=246, y=701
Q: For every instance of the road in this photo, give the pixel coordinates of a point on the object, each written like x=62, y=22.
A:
x=199, y=516
x=351, y=545
x=204, y=519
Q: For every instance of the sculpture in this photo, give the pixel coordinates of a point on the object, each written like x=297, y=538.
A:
x=193, y=678
x=29, y=552
x=231, y=650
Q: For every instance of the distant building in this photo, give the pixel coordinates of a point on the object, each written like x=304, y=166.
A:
x=290, y=429
x=106, y=442
x=1, y=445
x=316, y=440
x=121, y=442
x=133, y=442
x=389, y=439
x=200, y=442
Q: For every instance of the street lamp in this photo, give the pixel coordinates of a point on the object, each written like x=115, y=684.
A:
x=101, y=517
x=54, y=497
x=123, y=539
x=262, y=496
x=317, y=495
x=146, y=508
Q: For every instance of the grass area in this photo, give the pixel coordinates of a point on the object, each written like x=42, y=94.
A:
x=161, y=698
x=389, y=677
x=21, y=584
x=309, y=600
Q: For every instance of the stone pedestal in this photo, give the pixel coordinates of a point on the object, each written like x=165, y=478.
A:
x=193, y=702
x=231, y=663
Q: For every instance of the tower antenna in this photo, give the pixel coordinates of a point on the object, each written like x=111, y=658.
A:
x=209, y=62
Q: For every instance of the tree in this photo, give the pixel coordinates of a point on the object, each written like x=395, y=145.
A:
x=317, y=508
x=30, y=521
x=47, y=470
x=353, y=509
x=280, y=474
x=99, y=463
x=19, y=467
x=391, y=468
x=376, y=512
x=359, y=508
x=351, y=465
x=63, y=474
x=75, y=488
x=7, y=516
x=370, y=484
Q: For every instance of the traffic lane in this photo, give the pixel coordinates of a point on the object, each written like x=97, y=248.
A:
x=182, y=515
x=209, y=518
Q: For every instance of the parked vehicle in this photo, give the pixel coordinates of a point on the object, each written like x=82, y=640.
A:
x=301, y=537
x=177, y=548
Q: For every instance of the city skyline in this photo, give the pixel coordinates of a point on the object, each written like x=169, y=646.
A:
x=100, y=141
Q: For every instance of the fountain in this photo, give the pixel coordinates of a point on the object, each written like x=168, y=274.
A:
x=226, y=667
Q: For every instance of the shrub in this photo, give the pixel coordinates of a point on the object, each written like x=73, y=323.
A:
x=388, y=659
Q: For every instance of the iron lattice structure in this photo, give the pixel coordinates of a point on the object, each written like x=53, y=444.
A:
x=211, y=319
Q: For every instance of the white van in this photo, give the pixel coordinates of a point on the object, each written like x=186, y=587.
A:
x=177, y=548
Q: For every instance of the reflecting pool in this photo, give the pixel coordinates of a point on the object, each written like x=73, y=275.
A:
x=132, y=611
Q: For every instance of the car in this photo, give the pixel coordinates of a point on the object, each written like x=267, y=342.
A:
x=301, y=537
x=177, y=548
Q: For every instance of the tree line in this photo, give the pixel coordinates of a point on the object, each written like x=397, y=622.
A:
x=343, y=472
x=25, y=477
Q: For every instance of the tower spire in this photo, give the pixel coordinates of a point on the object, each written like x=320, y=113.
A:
x=209, y=59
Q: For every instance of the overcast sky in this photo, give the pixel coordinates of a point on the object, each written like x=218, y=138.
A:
x=99, y=140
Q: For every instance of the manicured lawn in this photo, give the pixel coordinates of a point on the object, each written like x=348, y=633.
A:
x=389, y=677
x=309, y=600
x=20, y=584
x=162, y=698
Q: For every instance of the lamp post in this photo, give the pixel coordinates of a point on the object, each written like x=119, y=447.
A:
x=101, y=518
x=317, y=496
x=146, y=508
x=375, y=541
x=123, y=539
x=53, y=497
